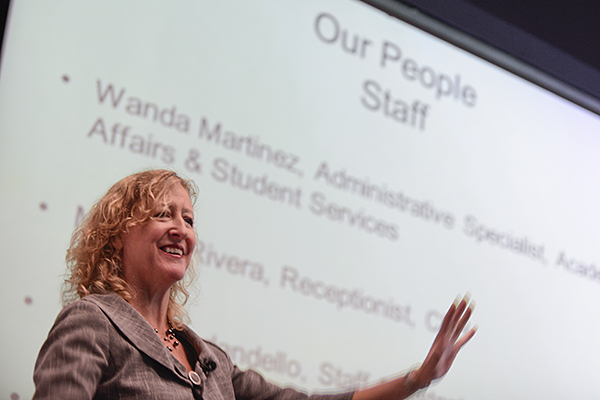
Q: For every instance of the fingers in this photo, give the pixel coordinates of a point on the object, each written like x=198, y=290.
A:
x=456, y=319
x=447, y=343
x=463, y=340
x=447, y=322
x=464, y=318
x=463, y=312
x=454, y=323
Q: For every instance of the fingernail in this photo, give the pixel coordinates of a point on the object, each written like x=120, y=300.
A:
x=457, y=300
x=467, y=297
x=472, y=305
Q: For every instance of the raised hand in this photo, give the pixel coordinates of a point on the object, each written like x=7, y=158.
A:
x=445, y=347
x=447, y=343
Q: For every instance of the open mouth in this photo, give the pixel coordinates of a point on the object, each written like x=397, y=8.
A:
x=170, y=249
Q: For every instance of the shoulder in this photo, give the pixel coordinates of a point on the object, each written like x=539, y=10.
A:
x=83, y=324
x=109, y=301
x=80, y=314
x=82, y=320
x=75, y=353
x=93, y=302
x=85, y=313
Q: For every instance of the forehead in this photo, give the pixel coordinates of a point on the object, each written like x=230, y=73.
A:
x=177, y=196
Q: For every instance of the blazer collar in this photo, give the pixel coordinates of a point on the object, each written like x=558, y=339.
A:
x=134, y=327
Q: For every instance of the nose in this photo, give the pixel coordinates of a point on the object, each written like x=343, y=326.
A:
x=179, y=229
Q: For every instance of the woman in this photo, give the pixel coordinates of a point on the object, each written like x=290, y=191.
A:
x=125, y=337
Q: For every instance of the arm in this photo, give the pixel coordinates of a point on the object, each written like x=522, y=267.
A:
x=71, y=361
x=439, y=360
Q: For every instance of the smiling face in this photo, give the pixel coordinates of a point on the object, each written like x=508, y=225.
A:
x=156, y=254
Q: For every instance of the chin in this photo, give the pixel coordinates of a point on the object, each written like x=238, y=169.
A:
x=175, y=274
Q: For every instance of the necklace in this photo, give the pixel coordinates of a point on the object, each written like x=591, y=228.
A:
x=170, y=337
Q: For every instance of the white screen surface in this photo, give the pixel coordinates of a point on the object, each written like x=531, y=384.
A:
x=390, y=186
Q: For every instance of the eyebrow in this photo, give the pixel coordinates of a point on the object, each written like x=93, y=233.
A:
x=187, y=210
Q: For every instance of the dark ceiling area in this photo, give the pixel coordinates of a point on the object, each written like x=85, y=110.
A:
x=570, y=26
x=558, y=37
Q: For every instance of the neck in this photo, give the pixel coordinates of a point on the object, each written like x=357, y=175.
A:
x=153, y=307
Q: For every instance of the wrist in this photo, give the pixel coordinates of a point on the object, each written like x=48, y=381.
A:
x=414, y=381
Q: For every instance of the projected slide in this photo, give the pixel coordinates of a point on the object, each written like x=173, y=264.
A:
x=356, y=174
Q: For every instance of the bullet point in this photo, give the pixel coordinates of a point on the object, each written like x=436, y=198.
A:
x=28, y=300
x=43, y=206
x=66, y=78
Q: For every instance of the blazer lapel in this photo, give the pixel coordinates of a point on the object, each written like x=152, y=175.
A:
x=136, y=330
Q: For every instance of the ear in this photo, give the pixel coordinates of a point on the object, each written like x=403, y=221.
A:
x=118, y=243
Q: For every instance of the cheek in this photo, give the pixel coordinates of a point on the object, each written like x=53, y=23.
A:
x=191, y=243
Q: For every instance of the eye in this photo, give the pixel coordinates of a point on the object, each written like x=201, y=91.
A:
x=162, y=214
x=189, y=221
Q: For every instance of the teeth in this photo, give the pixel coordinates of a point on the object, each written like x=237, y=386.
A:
x=173, y=250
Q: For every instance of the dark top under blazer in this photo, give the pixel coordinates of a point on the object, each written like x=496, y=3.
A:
x=102, y=348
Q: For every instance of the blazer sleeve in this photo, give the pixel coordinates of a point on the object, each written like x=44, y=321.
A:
x=249, y=385
x=71, y=362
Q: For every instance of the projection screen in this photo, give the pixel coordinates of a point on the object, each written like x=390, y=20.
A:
x=356, y=174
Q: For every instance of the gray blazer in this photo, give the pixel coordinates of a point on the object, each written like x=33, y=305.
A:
x=102, y=348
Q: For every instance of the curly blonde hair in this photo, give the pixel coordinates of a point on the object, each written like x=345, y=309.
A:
x=94, y=264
